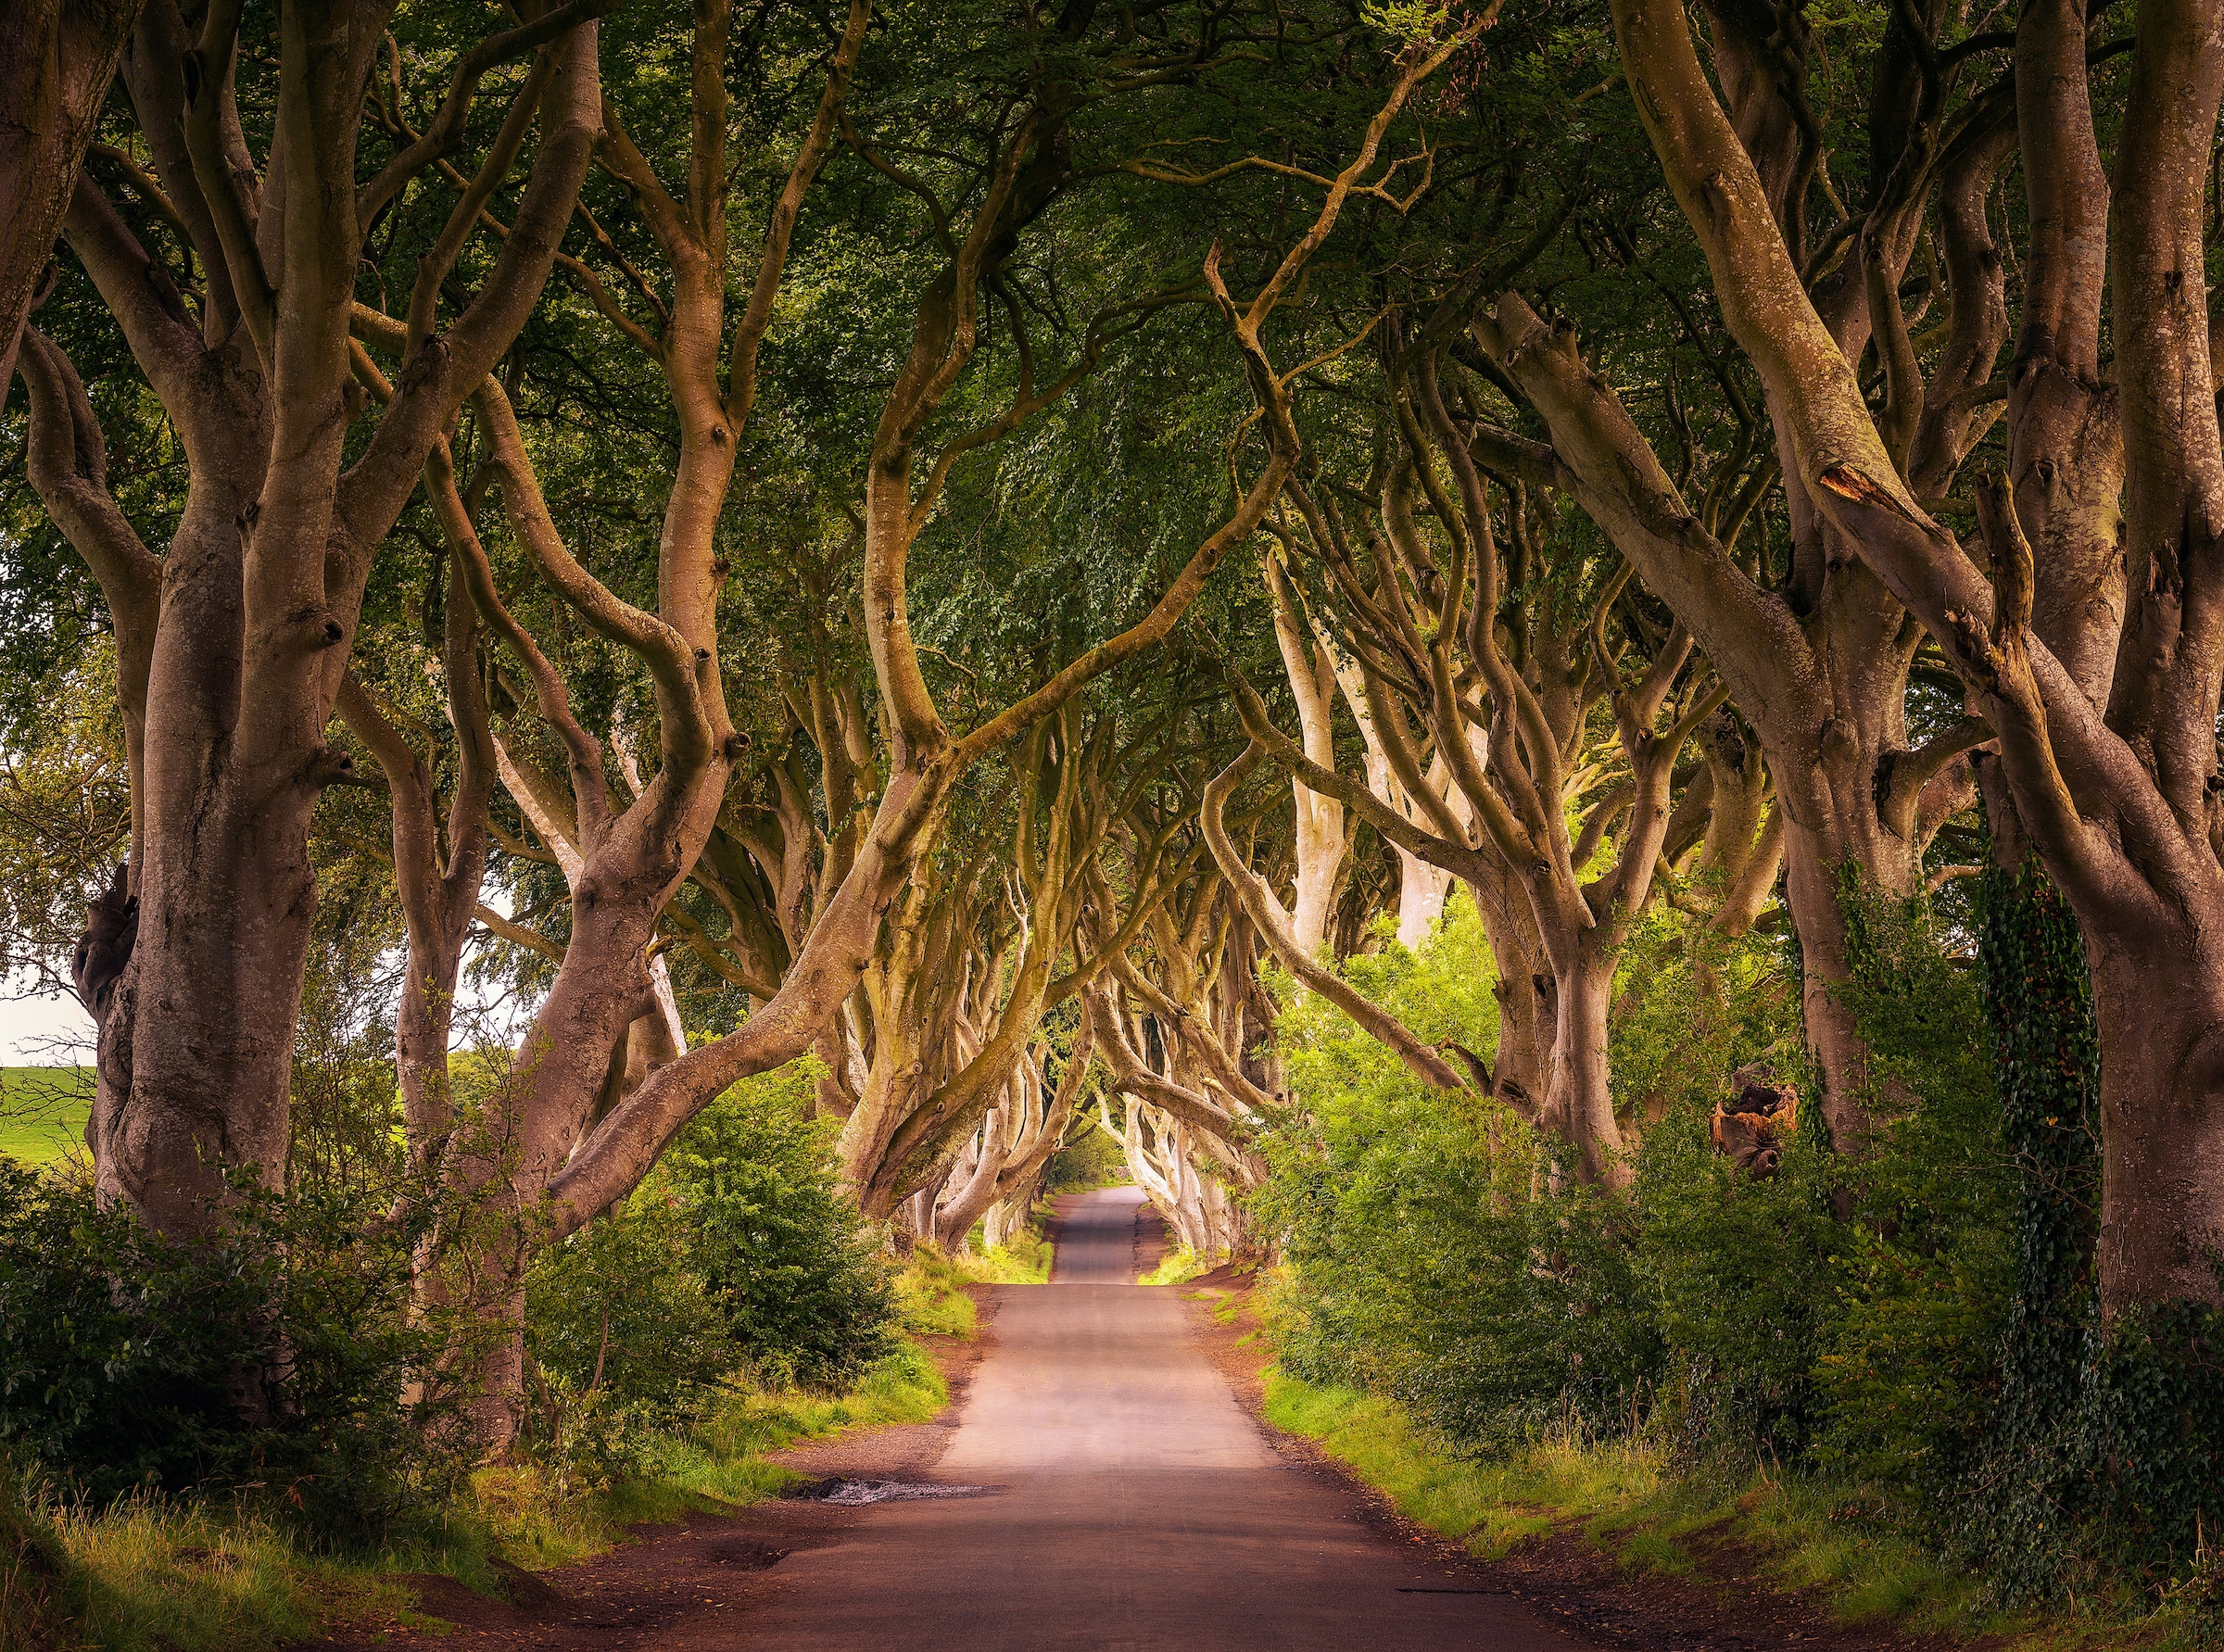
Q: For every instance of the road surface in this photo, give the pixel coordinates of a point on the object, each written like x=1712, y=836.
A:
x=1134, y=1505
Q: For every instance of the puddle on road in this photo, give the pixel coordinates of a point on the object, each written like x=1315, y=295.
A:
x=749, y=1557
x=852, y=1493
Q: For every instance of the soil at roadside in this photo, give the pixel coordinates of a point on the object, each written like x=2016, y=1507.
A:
x=1151, y=1240
x=1727, y=1607
x=685, y=1586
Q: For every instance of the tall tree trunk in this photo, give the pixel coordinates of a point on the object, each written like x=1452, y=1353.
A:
x=196, y=1042
x=1527, y=1010
x=2159, y=1000
x=185, y=1101
x=1825, y=691
x=262, y=584
x=2120, y=801
x=1421, y=892
x=1816, y=863
x=1319, y=839
x=1578, y=1098
x=972, y=1187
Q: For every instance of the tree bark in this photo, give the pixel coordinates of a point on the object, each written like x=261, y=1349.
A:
x=1319, y=839
x=264, y=575
x=56, y=64
x=1825, y=694
x=2117, y=805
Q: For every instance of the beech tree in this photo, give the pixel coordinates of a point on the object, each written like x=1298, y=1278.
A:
x=2099, y=680
x=1186, y=1045
x=232, y=646
x=1550, y=187
x=548, y=1152
x=951, y=1019
x=995, y=1177
x=1163, y=1159
x=1498, y=659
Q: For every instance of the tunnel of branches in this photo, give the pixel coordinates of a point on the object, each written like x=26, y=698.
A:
x=1501, y=651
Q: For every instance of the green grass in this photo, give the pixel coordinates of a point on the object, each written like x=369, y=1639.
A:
x=932, y=1288
x=904, y=1387
x=1628, y=1500
x=147, y=1575
x=930, y=1295
x=151, y=1575
x=1178, y=1267
x=1025, y=1261
x=531, y=1522
x=43, y=1111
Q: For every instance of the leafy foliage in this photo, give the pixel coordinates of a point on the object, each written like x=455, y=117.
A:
x=2107, y=1437
x=626, y=1338
x=65, y=816
x=782, y=1250
x=1090, y=1158
x=1432, y=1259
x=742, y=1253
x=272, y=1359
x=1919, y=1324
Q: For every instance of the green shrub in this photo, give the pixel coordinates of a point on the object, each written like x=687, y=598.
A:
x=775, y=1240
x=624, y=1341
x=1437, y=1263
x=1424, y=1269
x=1431, y=1261
x=740, y=1255
x=1742, y=1276
x=1910, y=1365
x=274, y=1356
x=1915, y=1327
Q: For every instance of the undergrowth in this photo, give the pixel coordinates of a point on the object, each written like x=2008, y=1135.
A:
x=934, y=1274
x=148, y=1573
x=532, y=1517
x=1909, y=1342
x=1025, y=1260
x=1178, y=1267
x=1644, y=1507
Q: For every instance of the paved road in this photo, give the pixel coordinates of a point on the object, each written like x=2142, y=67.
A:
x=1136, y=1508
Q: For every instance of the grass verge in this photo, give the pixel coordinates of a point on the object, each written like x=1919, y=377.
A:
x=1628, y=1500
x=531, y=1521
x=1027, y=1260
x=146, y=1573
x=1178, y=1267
x=150, y=1575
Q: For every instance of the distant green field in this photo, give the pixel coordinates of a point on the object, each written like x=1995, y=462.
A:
x=43, y=1111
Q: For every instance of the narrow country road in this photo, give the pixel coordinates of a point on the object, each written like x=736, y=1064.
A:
x=1132, y=1504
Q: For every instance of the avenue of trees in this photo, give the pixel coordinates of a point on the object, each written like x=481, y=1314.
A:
x=1558, y=666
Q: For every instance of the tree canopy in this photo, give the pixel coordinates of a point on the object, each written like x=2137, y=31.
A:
x=1024, y=562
